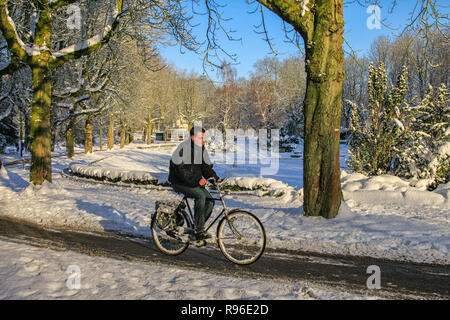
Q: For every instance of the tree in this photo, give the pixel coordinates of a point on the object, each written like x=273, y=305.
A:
x=227, y=99
x=43, y=61
x=38, y=40
x=425, y=149
x=3, y=115
x=321, y=25
x=373, y=140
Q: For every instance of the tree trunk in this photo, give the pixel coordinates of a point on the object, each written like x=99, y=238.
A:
x=52, y=132
x=111, y=133
x=101, y=138
x=41, y=162
x=40, y=126
x=131, y=135
x=321, y=25
x=149, y=129
x=122, y=137
x=322, y=112
x=88, y=135
x=69, y=139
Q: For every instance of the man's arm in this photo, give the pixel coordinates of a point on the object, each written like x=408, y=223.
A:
x=207, y=167
x=208, y=171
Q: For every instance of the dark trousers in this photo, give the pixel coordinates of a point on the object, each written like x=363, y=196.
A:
x=203, y=203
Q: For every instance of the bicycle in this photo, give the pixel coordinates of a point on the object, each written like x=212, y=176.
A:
x=240, y=235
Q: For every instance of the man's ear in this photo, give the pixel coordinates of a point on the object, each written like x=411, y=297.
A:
x=192, y=138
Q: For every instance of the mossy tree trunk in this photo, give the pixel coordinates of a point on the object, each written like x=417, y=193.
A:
x=320, y=23
x=40, y=126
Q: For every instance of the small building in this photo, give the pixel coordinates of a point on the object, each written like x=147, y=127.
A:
x=176, y=134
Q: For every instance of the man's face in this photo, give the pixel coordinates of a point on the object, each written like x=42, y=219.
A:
x=198, y=138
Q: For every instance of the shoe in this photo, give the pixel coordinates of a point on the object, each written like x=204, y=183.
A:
x=202, y=235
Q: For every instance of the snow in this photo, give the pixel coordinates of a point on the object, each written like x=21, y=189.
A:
x=37, y=273
x=3, y=173
x=382, y=216
x=107, y=173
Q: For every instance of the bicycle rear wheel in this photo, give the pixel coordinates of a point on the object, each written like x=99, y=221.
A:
x=168, y=242
x=241, y=238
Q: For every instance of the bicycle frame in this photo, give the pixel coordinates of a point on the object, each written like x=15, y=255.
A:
x=224, y=211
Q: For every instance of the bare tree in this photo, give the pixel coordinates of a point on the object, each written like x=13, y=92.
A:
x=27, y=28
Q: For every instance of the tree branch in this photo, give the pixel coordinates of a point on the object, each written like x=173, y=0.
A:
x=85, y=47
x=15, y=44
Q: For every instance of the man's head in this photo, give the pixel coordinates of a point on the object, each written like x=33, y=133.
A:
x=198, y=136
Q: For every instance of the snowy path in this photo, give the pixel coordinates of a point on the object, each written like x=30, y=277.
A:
x=300, y=276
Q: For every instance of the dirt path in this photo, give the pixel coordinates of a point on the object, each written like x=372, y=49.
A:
x=399, y=280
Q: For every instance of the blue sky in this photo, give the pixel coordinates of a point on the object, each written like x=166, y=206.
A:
x=252, y=47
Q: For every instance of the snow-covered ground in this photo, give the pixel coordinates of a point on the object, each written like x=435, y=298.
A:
x=33, y=273
x=382, y=216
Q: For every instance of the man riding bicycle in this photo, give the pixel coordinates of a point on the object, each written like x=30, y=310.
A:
x=189, y=166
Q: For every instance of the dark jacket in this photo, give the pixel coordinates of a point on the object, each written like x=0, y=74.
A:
x=189, y=164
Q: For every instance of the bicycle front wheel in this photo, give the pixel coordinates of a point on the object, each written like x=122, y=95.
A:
x=241, y=237
x=167, y=241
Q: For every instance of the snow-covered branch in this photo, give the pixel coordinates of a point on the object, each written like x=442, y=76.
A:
x=30, y=51
x=98, y=39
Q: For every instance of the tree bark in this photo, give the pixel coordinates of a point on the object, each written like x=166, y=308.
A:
x=40, y=126
x=322, y=112
x=111, y=133
x=88, y=135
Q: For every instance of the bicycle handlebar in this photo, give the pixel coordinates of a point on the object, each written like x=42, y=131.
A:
x=214, y=182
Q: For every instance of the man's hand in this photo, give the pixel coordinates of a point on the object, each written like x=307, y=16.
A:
x=202, y=182
x=219, y=180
